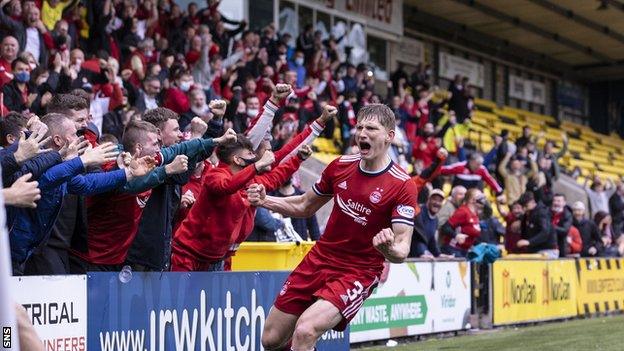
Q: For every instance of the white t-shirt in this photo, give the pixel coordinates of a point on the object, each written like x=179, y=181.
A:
x=150, y=102
x=32, y=42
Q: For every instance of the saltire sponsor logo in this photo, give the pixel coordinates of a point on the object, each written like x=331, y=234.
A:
x=347, y=208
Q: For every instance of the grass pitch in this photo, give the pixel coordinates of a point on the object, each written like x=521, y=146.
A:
x=604, y=334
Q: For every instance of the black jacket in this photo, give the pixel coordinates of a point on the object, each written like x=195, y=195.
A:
x=36, y=166
x=616, y=208
x=151, y=247
x=590, y=234
x=13, y=97
x=537, y=229
x=112, y=123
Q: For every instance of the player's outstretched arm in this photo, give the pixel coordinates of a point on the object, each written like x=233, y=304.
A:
x=299, y=206
x=394, y=243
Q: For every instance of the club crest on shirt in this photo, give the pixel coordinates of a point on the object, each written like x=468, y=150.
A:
x=375, y=196
x=142, y=199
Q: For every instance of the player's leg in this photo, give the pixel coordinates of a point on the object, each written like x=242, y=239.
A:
x=278, y=329
x=314, y=322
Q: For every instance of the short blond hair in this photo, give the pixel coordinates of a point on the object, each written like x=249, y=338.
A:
x=381, y=112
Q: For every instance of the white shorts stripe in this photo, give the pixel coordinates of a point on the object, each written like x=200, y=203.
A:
x=353, y=304
x=353, y=310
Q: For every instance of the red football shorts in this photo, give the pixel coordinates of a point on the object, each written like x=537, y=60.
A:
x=315, y=278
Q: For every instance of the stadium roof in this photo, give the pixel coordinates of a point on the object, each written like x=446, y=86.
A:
x=581, y=39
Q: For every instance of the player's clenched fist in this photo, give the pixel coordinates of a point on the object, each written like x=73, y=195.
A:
x=256, y=193
x=384, y=240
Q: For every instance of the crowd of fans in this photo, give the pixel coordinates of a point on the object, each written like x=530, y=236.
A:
x=130, y=129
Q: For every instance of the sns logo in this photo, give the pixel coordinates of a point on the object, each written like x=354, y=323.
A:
x=406, y=211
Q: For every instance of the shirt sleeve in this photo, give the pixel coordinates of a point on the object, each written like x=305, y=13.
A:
x=454, y=168
x=490, y=181
x=406, y=207
x=261, y=124
x=324, y=186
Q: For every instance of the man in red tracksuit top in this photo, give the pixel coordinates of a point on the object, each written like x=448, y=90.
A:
x=222, y=214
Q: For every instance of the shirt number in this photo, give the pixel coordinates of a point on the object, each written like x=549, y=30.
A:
x=356, y=291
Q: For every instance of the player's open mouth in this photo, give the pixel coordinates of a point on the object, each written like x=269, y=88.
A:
x=364, y=147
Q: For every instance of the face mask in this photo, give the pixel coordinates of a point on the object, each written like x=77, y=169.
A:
x=299, y=61
x=149, y=53
x=22, y=77
x=429, y=72
x=252, y=112
x=185, y=86
x=248, y=161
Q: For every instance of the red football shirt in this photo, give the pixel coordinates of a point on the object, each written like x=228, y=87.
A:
x=113, y=223
x=364, y=204
x=468, y=223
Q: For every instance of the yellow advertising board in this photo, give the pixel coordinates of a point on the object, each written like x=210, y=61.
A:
x=601, y=285
x=533, y=290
